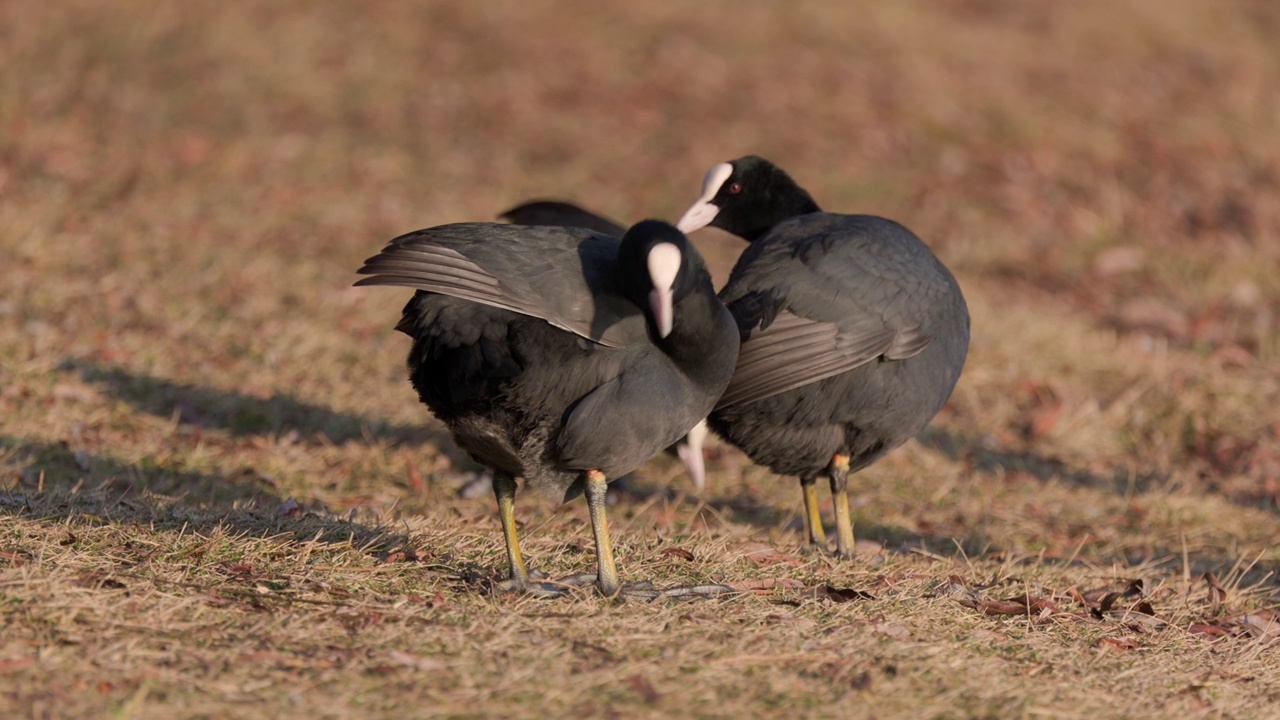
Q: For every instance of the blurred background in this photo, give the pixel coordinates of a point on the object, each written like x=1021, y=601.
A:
x=218, y=487
x=187, y=188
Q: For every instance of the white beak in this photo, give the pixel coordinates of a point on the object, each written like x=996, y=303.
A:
x=698, y=216
x=662, y=303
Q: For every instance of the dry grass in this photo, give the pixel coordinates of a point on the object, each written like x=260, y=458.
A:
x=186, y=188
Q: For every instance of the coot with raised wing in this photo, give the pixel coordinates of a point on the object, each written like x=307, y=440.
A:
x=560, y=355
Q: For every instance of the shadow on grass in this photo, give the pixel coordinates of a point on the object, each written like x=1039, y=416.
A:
x=242, y=414
x=55, y=483
x=987, y=460
x=746, y=508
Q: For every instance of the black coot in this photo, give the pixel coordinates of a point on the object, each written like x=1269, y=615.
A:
x=564, y=214
x=561, y=214
x=853, y=333
x=560, y=355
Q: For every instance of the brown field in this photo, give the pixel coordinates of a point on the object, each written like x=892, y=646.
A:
x=219, y=496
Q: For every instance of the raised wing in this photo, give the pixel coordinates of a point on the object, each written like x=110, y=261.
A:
x=564, y=276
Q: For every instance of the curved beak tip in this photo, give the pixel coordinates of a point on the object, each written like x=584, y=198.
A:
x=697, y=217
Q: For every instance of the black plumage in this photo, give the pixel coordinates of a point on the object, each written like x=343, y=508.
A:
x=561, y=214
x=853, y=333
x=558, y=213
x=550, y=354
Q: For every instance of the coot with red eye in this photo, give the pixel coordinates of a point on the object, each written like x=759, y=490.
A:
x=853, y=333
x=560, y=355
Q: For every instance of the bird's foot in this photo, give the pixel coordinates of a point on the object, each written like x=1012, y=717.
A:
x=645, y=591
x=532, y=585
x=813, y=548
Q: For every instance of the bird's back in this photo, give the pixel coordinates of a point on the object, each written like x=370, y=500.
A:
x=864, y=279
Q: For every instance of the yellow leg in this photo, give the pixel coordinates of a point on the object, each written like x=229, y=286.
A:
x=606, y=570
x=504, y=487
x=839, y=471
x=812, y=518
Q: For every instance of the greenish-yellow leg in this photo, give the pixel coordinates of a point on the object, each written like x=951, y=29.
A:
x=606, y=570
x=839, y=471
x=504, y=487
x=812, y=518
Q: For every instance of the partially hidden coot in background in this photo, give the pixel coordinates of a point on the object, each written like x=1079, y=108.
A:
x=560, y=355
x=565, y=214
x=853, y=333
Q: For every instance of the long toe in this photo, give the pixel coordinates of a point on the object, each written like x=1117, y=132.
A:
x=577, y=581
x=534, y=588
x=646, y=592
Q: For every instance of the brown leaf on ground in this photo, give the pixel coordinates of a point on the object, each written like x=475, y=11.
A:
x=288, y=509
x=415, y=478
x=14, y=558
x=762, y=554
x=678, y=552
x=1035, y=603
x=1258, y=624
x=1114, y=644
x=1125, y=588
x=861, y=681
x=643, y=688
x=1217, y=593
x=1021, y=605
x=242, y=570
x=1208, y=630
x=840, y=595
x=18, y=663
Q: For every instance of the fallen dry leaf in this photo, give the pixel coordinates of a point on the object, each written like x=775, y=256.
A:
x=288, y=509
x=1125, y=588
x=643, y=688
x=1208, y=630
x=1113, y=644
x=1260, y=623
x=1217, y=593
x=840, y=595
x=678, y=552
x=762, y=554
x=18, y=663
x=415, y=478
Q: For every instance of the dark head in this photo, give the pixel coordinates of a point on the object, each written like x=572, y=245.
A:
x=747, y=197
x=658, y=268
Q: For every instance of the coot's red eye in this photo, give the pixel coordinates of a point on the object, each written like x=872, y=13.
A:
x=734, y=188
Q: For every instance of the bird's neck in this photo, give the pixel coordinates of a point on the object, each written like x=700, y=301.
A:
x=696, y=336
x=795, y=201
